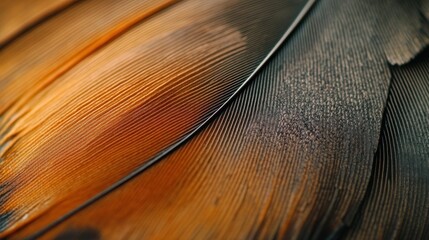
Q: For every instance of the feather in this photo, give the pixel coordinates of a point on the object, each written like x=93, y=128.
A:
x=397, y=202
x=290, y=155
x=17, y=16
x=86, y=107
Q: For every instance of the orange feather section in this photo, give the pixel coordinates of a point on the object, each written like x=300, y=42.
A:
x=98, y=96
x=17, y=15
x=34, y=61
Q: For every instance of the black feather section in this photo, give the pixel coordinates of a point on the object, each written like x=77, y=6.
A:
x=397, y=205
